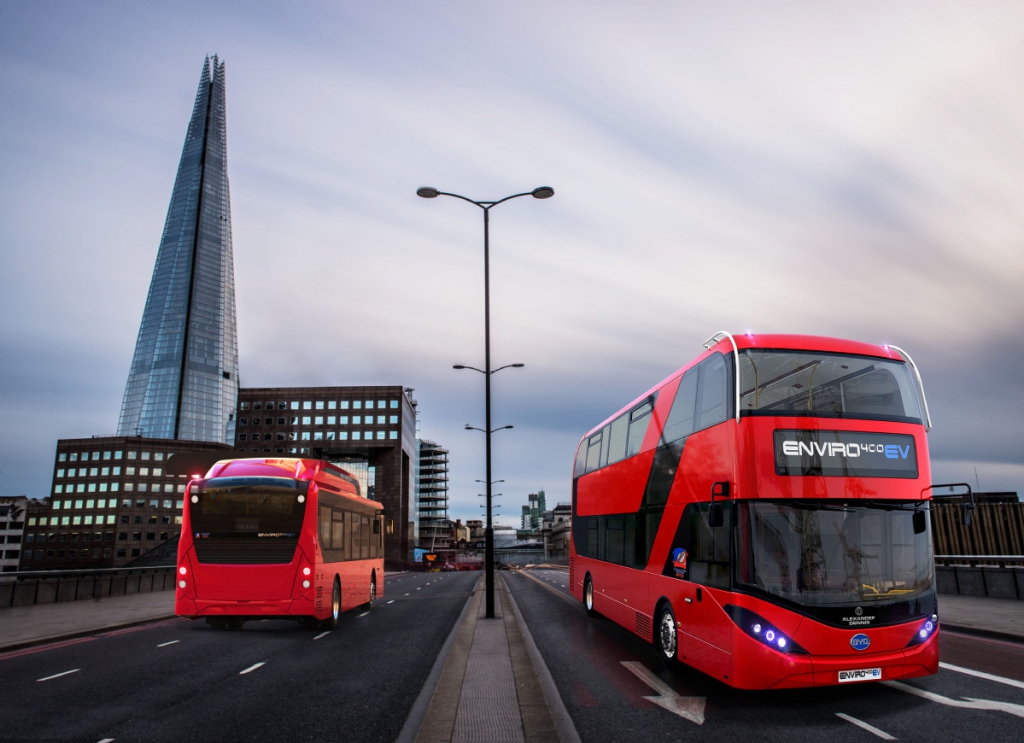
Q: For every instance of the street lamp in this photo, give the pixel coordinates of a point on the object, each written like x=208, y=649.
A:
x=541, y=192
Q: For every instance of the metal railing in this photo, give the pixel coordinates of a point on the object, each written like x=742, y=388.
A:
x=1002, y=561
x=29, y=587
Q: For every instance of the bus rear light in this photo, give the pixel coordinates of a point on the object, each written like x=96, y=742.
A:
x=195, y=498
x=305, y=584
x=924, y=631
x=761, y=630
x=181, y=584
x=182, y=570
x=305, y=571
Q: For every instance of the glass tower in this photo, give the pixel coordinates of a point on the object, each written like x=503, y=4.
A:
x=183, y=382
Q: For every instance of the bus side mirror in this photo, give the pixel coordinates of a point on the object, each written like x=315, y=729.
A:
x=919, y=522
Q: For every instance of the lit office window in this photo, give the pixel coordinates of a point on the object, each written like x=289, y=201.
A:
x=392, y=435
x=319, y=404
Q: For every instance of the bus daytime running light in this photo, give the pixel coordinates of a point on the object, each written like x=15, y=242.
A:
x=302, y=499
x=195, y=498
x=758, y=628
x=305, y=584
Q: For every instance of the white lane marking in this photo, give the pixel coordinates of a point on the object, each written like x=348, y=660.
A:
x=406, y=594
x=419, y=588
x=689, y=708
x=322, y=634
x=864, y=726
x=250, y=669
x=58, y=675
x=165, y=644
x=563, y=585
x=107, y=740
x=982, y=675
x=364, y=614
x=392, y=601
x=983, y=704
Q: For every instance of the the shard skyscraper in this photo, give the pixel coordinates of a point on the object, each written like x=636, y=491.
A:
x=183, y=382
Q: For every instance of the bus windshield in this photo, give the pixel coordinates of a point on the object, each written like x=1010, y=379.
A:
x=247, y=519
x=812, y=383
x=817, y=553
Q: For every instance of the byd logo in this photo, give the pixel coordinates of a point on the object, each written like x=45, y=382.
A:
x=860, y=642
x=837, y=449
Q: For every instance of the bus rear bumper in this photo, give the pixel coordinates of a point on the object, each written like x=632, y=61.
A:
x=287, y=608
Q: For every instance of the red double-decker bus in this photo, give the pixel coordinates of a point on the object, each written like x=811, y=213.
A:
x=278, y=538
x=763, y=515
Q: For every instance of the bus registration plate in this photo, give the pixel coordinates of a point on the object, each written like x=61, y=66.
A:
x=861, y=674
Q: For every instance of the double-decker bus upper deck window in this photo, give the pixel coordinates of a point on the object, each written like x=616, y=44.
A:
x=617, y=435
x=594, y=452
x=714, y=391
x=680, y=418
x=828, y=385
x=639, y=419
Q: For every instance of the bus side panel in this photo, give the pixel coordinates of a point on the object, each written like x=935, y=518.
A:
x=708, y=457
x=623, y=590
x=617, y=488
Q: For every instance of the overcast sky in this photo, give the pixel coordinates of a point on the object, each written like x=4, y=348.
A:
x=846, y=169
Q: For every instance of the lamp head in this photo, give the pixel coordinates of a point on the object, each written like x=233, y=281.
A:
x=427, y=192
x=518, y=366
x=458, y=366
x=541, y=192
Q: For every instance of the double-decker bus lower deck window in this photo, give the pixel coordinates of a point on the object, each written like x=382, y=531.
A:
x=700, y=553
x=812, y=383
x=822, y=553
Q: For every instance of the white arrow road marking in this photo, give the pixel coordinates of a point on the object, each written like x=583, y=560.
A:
x=690, y=708
x=983, y=704
x=864, y=726
x=982, y=675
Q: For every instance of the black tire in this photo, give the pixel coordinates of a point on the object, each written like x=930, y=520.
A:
x=373, y=593
x=216, y=623
x=235, y=624
x=588, y=597
x=666, y=635
x=331, y=623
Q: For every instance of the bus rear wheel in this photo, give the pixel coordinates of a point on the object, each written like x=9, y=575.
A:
x=665, y=636
x=588, y=597
x=373, y=593
x=331, y=623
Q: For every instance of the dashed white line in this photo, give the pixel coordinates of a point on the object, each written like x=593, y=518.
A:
x=165, y=644
x=393, y=601
x=365, y=613
x=864, y=726
x=419, y=588
x=982, y=675
x=322, y=634
x=58, y=675
x=250, y=669
x=107, y=740
x=406, y=594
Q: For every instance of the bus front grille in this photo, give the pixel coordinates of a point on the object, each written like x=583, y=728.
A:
x=244, y=552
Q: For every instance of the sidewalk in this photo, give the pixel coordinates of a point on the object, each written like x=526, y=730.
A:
x=24, y=626
x=494, y=686
x=979, y=615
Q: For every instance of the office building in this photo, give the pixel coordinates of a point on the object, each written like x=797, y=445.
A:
x=183, y=382
x=435, y=531
x=111, y=500
x=12, y=527
x=369, y=431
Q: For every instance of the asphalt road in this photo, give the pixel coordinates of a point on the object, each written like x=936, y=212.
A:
x=271, y=681
x=605, y=697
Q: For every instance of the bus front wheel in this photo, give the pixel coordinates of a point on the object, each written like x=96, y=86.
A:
x=666, y=638
x=331, y=623
x=588, y=597
x=373, y=592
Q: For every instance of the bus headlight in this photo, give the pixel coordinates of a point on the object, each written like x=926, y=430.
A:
x=762, y=630
x=925, y=631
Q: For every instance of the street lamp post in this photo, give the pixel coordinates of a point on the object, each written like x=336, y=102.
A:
x=542, y=192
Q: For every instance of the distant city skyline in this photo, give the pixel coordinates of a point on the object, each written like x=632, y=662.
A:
x=843, y=171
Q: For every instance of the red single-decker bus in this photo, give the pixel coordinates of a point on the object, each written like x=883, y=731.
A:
x=762, y=515
x=278, y=538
